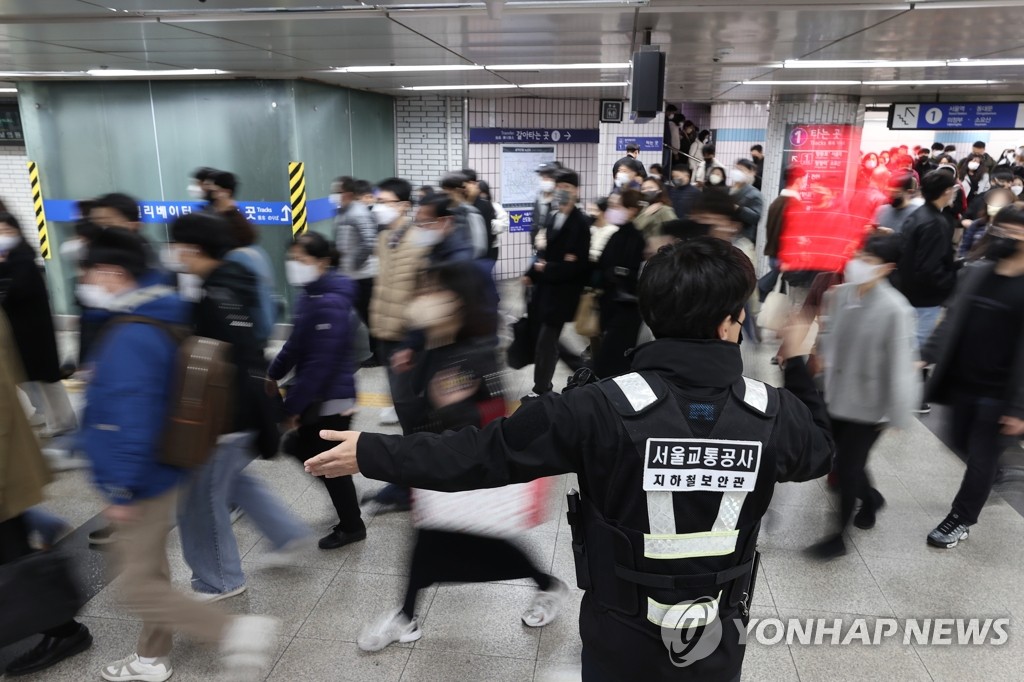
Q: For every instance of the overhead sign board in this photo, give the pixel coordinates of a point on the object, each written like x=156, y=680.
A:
x=646, y=144
x=542, y=135
x=957, y=116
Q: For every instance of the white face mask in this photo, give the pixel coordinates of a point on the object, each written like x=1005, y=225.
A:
x=335, y=200
x=993, y=210
x=715, y=179
x=385, y=214
x=72, y=249
x=300, y=274
x=196, y=192
x=616, y=216
x=8, y=242
x=859, y=272
x=190, y=287
x=171, y=260
x=621, y=179
x=94, y=296
x=1016, y=189
x=738, y=177
x=973, y=165
x=424, y=237
x=547, y=186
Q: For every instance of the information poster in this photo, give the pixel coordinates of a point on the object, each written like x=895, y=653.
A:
x=823, y=150
x=519, y=180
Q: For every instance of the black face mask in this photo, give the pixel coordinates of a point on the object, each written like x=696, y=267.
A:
x=651, y=197
x=1002, y=247
x=898, y=202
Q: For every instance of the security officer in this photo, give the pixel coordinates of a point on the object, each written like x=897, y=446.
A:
x=677, y=464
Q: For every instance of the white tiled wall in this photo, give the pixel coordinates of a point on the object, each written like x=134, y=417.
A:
x=522, y=112
x=738, y=126
x=429, y=137
x=15, y=191
x=608, y=154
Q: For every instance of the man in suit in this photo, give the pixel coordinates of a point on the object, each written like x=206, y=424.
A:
x=632, y=160
x=559, y=273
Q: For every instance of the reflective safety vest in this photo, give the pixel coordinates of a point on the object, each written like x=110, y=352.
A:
x=695, y=550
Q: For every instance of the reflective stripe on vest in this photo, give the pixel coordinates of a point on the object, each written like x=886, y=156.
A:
x=637, y=391
x=663, y=543
x=684, y=615
x=756, y=395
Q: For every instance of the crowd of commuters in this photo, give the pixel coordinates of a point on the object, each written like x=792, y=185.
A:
x=941, y=253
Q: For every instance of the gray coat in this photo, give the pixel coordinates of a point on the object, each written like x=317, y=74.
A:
x=750, y=203
x=868, y=345
x=940, y=349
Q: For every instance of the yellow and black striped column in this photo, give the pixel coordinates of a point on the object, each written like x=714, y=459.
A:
x=37, y=204
x=297, y=192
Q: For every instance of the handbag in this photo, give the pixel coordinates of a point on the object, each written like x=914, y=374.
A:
x=775, y=309
x=524, y=343
x=588, y=315
x=37, y=592
x=492, y=512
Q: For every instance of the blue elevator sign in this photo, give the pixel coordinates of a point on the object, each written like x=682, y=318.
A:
x=957, y=116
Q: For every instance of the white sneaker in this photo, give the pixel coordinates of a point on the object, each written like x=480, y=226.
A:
x=246, y=647
x=211, y=597
x=546, y=604
x=131, y=668
x=388, y=416
x=65, y=460
x=393, y=626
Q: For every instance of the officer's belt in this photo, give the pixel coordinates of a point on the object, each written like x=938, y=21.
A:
x=679, y=582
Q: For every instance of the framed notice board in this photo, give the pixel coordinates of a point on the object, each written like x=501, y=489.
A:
x=10, y=124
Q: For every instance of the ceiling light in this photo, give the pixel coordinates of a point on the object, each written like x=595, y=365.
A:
x=8, y=89
x=618, y=84
x=502, y=86
x=41, y=74
x=555, y=67
x=798, y=82
x=933, y=82
x=986, y=62
x=861, y=63
x=408, y=69
x=124, y=73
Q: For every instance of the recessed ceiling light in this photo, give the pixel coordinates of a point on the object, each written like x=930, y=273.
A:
x=861, y=63
x=963, y=61
x=502, y=86
x=767, y=82
x=933, y=82
x=126, y=73
x=407, y=69
x=618, y=84
x=556, y=67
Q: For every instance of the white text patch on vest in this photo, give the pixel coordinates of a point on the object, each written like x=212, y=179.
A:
x=701, y=464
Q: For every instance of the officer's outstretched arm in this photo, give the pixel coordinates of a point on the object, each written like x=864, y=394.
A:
x=545, y=437
x=802, y=435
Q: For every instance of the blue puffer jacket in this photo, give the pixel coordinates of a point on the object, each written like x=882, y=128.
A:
x=127, y=401
x=320, y=347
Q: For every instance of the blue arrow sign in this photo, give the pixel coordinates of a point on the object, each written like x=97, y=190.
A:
x=538, y=135
x=256, y=212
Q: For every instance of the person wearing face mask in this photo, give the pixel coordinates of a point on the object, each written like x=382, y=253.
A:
x=355, y=237
x=977, y=163
x=1017, y=186
x=558, y=275
x=25, y=301
x=322, y=393
x=682, y=192
x=716, y=181
x=938, y=149
x=757, y=154
x=632, y=160
x=926, y=273
x=545, y=192
x=657, y=212
x=973, y=243
x=925, y=162
x=977, y=354
x=868, y=351
x=627, y=176
x=469, y=223
x=618, y=273
x=198, y=188
x=1000, y=178
x=749, y=201
x=703, y=138
x=703, y=175
x=902, y=188
x=607, y=219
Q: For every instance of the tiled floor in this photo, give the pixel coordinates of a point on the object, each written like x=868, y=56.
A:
x=473, y=632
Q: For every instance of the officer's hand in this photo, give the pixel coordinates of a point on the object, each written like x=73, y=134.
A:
x=339, y=460
x=793, y=338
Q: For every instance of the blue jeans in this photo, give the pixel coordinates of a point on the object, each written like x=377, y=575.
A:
x=927, y=318
x=204, y=517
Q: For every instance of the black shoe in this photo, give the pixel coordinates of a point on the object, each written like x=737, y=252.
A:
x=50, y=651
x=829, y=548
x=338, y=538
x=369, y=363
x=865, y=518
x=103, y=536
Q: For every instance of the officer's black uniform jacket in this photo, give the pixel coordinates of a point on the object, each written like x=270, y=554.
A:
x=581, y=432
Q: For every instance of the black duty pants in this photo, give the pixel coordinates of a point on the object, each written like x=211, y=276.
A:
x=854, y=441
x=342, y=491
x=14, y=545
x=977, y=434
x=443, y=557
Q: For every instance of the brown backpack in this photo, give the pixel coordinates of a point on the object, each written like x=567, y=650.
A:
x=201, y=398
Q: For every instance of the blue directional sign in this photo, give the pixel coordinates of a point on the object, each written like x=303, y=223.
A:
x=520, y=220
x=957, y=116
x=257, y=212
x=538, y=135
x=646, y=144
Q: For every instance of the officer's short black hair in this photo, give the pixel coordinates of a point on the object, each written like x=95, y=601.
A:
x=688, y=289
x=935, y=184
x=397, y=186
x=210, y=233
x=117, y=246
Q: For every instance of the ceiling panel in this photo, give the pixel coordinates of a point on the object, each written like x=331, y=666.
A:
x=24, y=8
x=58, y=32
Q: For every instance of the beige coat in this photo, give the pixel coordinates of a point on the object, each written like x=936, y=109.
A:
x=23, y=471
x=395, y=287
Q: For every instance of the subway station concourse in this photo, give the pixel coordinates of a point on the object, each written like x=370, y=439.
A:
x=132, y=96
